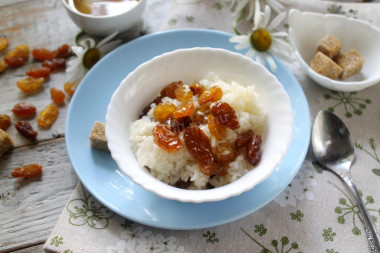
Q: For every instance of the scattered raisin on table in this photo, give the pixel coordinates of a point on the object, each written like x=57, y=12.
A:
x=225, y=115
x=5, y=121
x=48, y=116
x=3, y=66
x=42, y=54
x=55, y=64
x=63, y=51
x=22, y=51
x=69, y=88
x=14, y=62
x=211, y=95
x=26, y=130
x=166, y=139
x=27, y=171
x=24, y=110
x=163, y=111
x=30, y=84
x=39, y=72
x=57, y=95
x=3, y=43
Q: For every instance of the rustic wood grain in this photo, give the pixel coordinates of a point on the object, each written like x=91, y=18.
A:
x=33, y=249
x=29, y=208
x=40, y=24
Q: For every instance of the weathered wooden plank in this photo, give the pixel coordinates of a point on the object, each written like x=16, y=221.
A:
x=29, y=208
x=40, y=24
x=33, y=249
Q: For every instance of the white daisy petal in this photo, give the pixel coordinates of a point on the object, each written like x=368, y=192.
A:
x=87, y=43
x=109, y=46
x=279, y=34
x=266, y=16
x=257, y=13
x=272, y=64
x=251, y=53
x=105, y=40
x=282, y=44
x=77, y=50
x=239, y=39
x=276, y=21
x=260, y=59
x=277, y=7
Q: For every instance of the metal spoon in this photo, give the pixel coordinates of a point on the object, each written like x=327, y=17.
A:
x=334, y=149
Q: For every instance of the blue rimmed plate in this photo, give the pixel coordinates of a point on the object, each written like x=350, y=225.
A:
x=100, y=174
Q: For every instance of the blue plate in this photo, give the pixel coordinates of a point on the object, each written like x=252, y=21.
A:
x=100, y=174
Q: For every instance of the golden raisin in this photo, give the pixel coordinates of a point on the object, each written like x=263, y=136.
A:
x=3, y=66
x=24, y=110
x=178, y=125
x=14, y=62
x=183, y=111
x=63, y=51
x=216, y=129
x=166, y=139
x=224, y=153
x=169, y=90
x=201, y=114
x=212, y=95
x=253, y=151
x=147, y=108
x=199, y=146
x=69, y=88
x=57, y=96
x=39, y=72
x=225, y=115
x=197, y=89
x=22, y=51
x=48, y=116
x=3, y=43
x=55, y=64
x=28, y=171
x=183, y=92
x=42, y=54
x=30, y=84
x=163, y=111
x=26, y=130
x=5, y=121
x=243, y=139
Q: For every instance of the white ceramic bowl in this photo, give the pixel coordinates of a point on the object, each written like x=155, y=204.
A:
x=105, y=25
x=187, y=65
x=307, y=28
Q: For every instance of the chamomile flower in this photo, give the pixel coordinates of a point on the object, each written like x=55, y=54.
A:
x=264, y=41
x=276, y=5
x=87, y=52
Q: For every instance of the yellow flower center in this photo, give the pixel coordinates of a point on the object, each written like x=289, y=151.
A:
x=91, y=57
x=260, y=40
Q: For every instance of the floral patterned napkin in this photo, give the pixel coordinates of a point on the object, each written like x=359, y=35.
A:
x=315, y=213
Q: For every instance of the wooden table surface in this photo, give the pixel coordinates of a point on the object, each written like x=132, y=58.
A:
x=29, y=208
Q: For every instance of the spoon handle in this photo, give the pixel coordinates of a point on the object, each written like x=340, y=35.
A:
x=369, y=225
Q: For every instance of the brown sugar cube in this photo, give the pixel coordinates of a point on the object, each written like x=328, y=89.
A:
x=98, y=137
x=329, y=45
x=351, y=62
x=325, y=66
x=6, y=142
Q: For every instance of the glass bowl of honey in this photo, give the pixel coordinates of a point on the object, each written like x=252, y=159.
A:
x=103, y=17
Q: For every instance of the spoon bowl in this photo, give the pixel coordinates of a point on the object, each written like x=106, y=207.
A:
x=334, y=149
